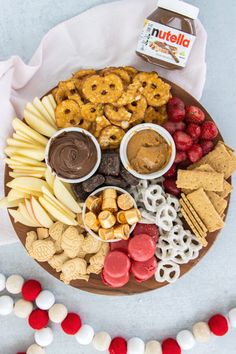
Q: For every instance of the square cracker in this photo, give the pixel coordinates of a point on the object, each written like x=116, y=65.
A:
x=210, y=181
x=201, y=239
x=222, y=159
x=205, y=209
x=185, y=202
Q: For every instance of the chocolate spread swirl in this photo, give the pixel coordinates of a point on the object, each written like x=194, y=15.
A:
x=72, y=155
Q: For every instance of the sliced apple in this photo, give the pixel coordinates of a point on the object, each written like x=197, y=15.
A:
x=39, y=125
x=18, y=217
x=40, y=107
x=21, y=144
x=15, y=195
x=49, y=178
x=36, y=153
x=48, y=195
x=26, y=161
x=28, y=183
x=64, y=196
x=40, y=214
x=18, y=125
x=15, y=174
x=24, y=138
x=33, y=169
x=49, y=106
x=30, y=210
x=11, y=162
x=34, y=193
x=24, y=212
x=56, y=213
x=4, y=203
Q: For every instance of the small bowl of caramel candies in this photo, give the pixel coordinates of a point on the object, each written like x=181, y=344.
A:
x=110, y=214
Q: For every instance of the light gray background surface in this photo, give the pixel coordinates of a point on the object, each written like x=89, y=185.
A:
x=210, y=287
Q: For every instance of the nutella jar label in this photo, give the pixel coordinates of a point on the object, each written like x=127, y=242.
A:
x=165, y=43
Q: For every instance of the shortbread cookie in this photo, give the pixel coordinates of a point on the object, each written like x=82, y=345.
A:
x=74, y=269
x=57, y=261
x=71, y=241
x=42, y=250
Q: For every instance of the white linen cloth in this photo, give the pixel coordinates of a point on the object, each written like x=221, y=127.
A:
x=105, y=35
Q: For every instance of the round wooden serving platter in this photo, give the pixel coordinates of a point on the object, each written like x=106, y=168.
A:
x=95, y=285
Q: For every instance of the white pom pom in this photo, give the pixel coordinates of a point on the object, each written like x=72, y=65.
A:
x=6, y=305
x=57, y=313
x=201, y=332
x=45, y=300
x=101, y=341
x=85, y=335
x=185, y=340
x=232, y=317
x=35, y=349
x=14, y=284
x=153, y=347
x=23, y=308
x=2, y=282
x=44, y=337
x=136, y=346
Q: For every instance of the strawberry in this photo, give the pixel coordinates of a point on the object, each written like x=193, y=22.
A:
x=148, y=229
x=195, y=153
x=180, y=156
x=194, y=115
x=206, y=145
x=182, y=140
x=171, y=172
x=169, y=185
x=175, y=109
x=193, y=130
x=173, y=126
x=209, y=131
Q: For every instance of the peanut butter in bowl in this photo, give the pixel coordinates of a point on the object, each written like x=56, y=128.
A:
x=147, y=151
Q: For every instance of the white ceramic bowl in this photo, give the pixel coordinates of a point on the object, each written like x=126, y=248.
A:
x=98, y=191
x=124, y=143
x=92, y=137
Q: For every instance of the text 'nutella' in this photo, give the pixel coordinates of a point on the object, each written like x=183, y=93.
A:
x=168, y=34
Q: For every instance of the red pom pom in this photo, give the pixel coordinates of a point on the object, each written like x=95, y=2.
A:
x=21, y=353
x=218, y=325
x=71, y=323
x=38, y=319
x=118, y=346
x=170, y=346
x=31, y=290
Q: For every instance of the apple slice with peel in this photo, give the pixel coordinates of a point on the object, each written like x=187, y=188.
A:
x=30, y=211
x=19, y=143
x=49, y=178
x=45, y=114
x=28, y=183
x=22, y=209
x=25, y=129
x=56, y=213
x=37, y=153
x=34, y=193
x=49, y=105
x=34, y=169
x=18, y=217
x=64, y=196
x=23, y=160
x=40, y=214
x=15, y=195
x=16, y=174
x=4, y=203
x=49, y=195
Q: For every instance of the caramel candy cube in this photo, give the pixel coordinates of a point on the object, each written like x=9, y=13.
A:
x=109, y=204
x=122, y=231
x=94, y=203
x=91, y=221
x=125, y=201
x=132, y=216
x=109, y=193
x=106, y=234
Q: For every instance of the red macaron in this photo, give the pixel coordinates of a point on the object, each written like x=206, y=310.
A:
x=115, y=282
x=121, y=245
x=117, y=264
x=144, y=270
x=142, y=247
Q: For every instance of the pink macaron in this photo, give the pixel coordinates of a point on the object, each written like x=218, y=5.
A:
x=144, y=270
x=121, y=245
x=141, y=247
x=115, y=282
x=117, y=264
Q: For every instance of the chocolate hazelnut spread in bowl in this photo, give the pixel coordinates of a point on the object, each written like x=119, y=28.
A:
x=73, y=155
x=147, y=151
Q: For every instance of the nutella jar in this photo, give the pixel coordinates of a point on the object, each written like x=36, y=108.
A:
x=168, y=34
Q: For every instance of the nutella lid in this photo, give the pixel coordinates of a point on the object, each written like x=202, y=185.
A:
x=180, y=7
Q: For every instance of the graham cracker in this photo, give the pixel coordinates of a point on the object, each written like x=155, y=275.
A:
x=201, y=239
x=193, y=212
x=222, y=159
x=210, y=181
x=219, y=203
x=205, y=209
x=191, y=218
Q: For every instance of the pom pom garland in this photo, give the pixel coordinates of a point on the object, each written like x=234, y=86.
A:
x=23, y=308
x=44, y=337
x=31, y=290
x=201, y=332
x=232, y=317
x=170, y=346
x=185, y=340
x=14, y=284
x=38, y=319
x=118, y=346
x=101, y=341
x=6, y=305
x=218, y=325
x=71, y=324
x=35, y=349
x=57, y=313
x=135, y=346
x=85, y=335
x=45, y=300
x=2, y=282
x=153, y=347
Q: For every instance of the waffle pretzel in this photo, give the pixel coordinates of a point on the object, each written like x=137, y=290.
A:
x=110, y=137
x=105, y=89
x=156, y=115
x=90, y=111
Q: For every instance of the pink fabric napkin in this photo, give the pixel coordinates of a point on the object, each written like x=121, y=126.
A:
x=102, y=36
